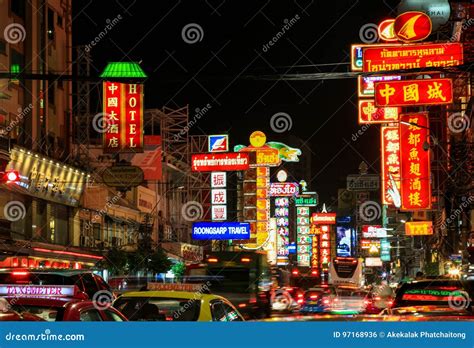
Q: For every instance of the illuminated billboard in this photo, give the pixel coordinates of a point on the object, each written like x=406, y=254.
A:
x=219, y=162
x=220, y=230
x=390, y=163
x=369, y=113
x=418, y=228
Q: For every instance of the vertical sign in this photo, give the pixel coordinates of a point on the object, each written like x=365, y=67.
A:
x=282, y=206
x=218, y=196
x=271, y=246
x=133, y=127
x=325, y=248
x=112, y=116
x=303, y=237
x=415, y=162
x=123, y=117
x=315, y=252
x=263, y=203
x=390, y=161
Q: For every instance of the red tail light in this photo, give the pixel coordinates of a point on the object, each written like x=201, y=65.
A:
x=313, y=297
x=242, y=305
x=212, y=259
x=378, y=298
x=295, y=272
x=314, y=272
x=326, y=301
x=300, y=295
x=245, y=259
x=19, y=273
x=300, y=301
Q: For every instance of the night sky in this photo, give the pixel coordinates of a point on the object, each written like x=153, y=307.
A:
x=224, y=69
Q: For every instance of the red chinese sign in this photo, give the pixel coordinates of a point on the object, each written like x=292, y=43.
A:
x=122, y=117
x=414, y=92
x=390, y=161
x=411, y=56
x=369, y=113
x=418, y=228
x=325, y=249
x=210, y=162
x=112, y=116
x=415, y=162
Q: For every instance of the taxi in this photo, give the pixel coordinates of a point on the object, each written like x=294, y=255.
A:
x=176, y=302
x=54, y=303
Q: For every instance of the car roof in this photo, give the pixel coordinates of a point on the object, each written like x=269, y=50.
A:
x=172, y=294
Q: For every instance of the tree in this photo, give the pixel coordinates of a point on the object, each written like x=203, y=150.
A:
x=115, y=261
x=158, y=262
x=178, y=269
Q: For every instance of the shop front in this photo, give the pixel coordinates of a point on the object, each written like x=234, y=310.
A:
x=40, y=208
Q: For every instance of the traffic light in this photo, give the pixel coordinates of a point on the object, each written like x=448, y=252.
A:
x=10, y=176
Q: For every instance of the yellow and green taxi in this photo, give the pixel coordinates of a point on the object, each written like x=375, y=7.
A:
x=176, y=302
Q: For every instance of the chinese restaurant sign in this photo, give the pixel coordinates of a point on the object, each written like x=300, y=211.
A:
x=122, y=117
x=418, y=228
x=415, y=163
x=325, y=250
x=369, y=113
x=414, y=92
x=390, y=162
x=411, y=56
x=220, y=162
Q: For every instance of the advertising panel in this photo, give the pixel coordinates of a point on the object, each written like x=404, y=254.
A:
x=390, y=162
x=371, y=114
x=282, y=189
x=220, y=162
x=323, y=218
x=418, y=228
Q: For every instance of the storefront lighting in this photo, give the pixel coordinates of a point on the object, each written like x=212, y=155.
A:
x=61, y=252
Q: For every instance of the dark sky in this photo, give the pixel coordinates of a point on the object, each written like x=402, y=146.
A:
x=212, y=71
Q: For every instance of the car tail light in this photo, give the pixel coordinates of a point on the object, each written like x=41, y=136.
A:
x=19, y=273
x=313, y=297
x=300, y=300
x=212, y=259
x=314, y=272
x=295, y=272
x=326, y=301
x=367, y=302
x=300, y=295
x=242, y=305
x=245, y=259
x=378, y=298
x=390, y=303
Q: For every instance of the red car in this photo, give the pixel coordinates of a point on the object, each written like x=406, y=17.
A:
x=54, y=303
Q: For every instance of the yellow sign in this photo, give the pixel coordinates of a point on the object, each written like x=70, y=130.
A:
x=258, y=139
x=418, y=228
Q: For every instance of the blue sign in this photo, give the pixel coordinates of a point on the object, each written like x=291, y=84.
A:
x=292, y=248
x=384, y=250
x=343, y=219
x=218, y=143
x=221, y=230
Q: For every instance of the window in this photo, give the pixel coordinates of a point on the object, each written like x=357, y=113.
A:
x=112, y=316
x=18, y=7
x=96, y=230
x=90, y=286
x=60, y=21
x=222, y=311
x=17, y=61
x=50, y=24
x=90, y=315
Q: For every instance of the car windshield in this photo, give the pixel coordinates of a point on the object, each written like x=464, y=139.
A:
x=158, y=309
x=45, y=313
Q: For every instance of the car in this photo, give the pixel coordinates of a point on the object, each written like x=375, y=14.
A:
x=87, y=281
x=316, y=300
x=175, y=302
x=453, y=293
x=55, y=303
x=429, y=312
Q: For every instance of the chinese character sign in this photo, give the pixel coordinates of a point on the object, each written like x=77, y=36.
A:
x=418, y=228
x=411, y=56
x=369, y=113
x=123, y=117
x=325, y=249
x=263, y=203
x=218, y=196
x=415, y=162
x=414, y=92
x=282, y=227
x=304, y=240
x=315, y=252
x=390, y=163
x=112, y=116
